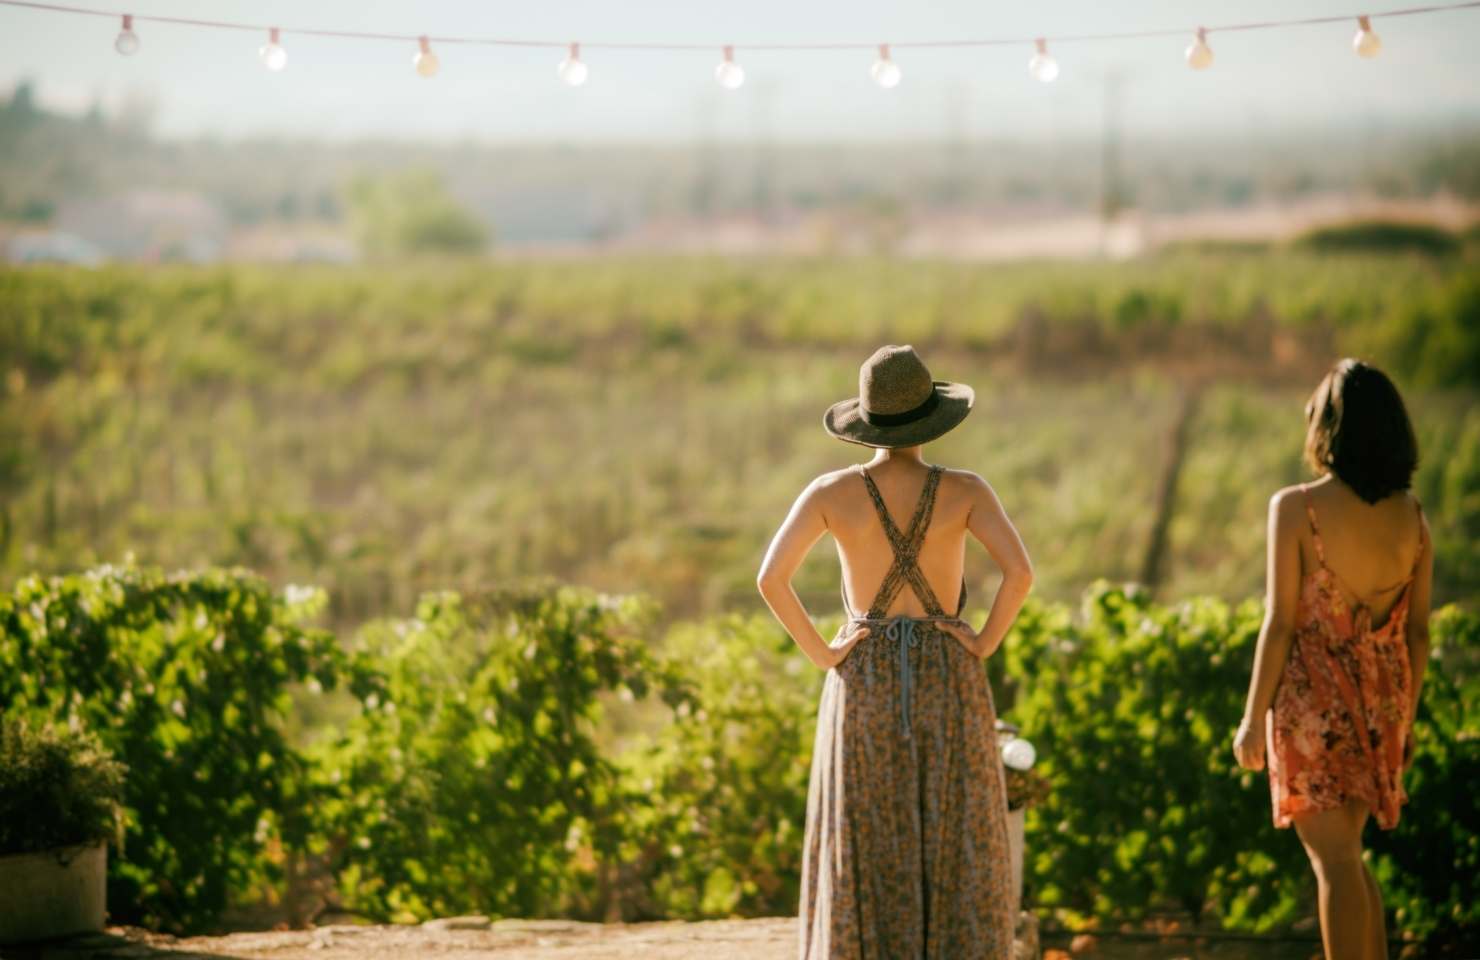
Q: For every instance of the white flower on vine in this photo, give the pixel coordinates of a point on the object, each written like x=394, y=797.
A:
x=294, y=594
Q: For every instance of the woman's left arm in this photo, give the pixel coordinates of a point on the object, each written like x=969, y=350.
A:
x=1282, y=589
x=988, y=522
x=1421, y=590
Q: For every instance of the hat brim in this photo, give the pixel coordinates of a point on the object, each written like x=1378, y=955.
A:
x=844, y=419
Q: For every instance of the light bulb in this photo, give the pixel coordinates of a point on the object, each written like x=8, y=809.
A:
x=571, y=69
x=274, y=57
x=425, y=60
x=1019, y=754
x=128, y=41
x=886, y=72
x=1366, y=43
x=1199, y=54
x=728, y=73
x=1043, y=67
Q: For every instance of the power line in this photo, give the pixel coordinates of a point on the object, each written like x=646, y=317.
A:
x=654, y=46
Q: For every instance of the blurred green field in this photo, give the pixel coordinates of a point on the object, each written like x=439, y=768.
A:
x=643, y=424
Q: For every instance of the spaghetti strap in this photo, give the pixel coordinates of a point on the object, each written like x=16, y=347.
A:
x=1315, y=529
x=1423, y=541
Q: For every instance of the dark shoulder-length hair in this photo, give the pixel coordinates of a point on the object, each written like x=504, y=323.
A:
x=1358, y=429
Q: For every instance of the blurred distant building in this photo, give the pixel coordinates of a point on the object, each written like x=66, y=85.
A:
x=995, y=234
x=292, y=243
x=1010, y=231
x=148, y=225
x=52, y=246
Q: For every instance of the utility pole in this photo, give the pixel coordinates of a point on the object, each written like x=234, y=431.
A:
x=1112, y=198
x=957, y=142
x=703, y=193
x=763, y=104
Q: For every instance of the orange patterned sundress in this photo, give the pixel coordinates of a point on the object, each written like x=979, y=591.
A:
x=1340, y=715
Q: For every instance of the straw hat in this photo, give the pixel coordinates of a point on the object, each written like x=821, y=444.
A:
x=898, y=405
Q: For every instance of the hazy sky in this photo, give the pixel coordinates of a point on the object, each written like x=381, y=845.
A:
x=211, y=81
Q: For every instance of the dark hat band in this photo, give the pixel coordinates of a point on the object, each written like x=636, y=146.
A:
x=898, y=419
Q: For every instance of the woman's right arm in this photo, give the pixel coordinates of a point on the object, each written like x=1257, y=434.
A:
x=1281, y=594
x=804, y=525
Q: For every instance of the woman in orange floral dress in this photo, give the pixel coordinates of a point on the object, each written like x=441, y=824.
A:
x=1341, y=654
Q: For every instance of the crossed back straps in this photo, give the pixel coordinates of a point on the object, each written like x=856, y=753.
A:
x=906, y=547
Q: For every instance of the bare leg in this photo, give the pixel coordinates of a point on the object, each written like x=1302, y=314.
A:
x=1378, y=949
x=1333, y=841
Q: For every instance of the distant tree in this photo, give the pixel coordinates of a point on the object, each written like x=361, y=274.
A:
x=1381, y=236
x=327, y=205
x=1454, y=165
x=20, y=114
x=134, y=118
x=36, y=210
x=23, y=98
x=410, y=212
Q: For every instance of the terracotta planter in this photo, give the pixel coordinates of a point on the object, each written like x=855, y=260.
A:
x=52, y=893
x=1016, y=820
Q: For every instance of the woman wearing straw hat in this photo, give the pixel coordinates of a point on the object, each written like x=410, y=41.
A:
x=905, y=851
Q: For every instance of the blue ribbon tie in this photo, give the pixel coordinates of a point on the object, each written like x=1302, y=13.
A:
x=901, y=630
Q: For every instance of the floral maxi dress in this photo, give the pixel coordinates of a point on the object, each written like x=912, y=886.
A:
x=905, y=850
x=1340, y=715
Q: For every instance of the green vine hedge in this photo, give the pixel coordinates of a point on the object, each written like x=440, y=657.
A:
x=549, y=751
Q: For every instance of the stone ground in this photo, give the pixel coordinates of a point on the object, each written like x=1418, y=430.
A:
x=464, y=938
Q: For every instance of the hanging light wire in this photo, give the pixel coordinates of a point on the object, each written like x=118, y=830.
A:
x=860, y=45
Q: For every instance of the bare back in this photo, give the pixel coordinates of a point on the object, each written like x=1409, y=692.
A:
x=871, y=510
x=864, y=547
x=1371, y=549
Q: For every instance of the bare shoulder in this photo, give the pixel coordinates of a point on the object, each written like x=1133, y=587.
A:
x=967, y=487
x=1287, y=504
x=833, y=479
x=966, y=481
x=826, y=486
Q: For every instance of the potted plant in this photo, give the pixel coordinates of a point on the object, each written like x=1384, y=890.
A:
x=60, y=795
x=1025, y=787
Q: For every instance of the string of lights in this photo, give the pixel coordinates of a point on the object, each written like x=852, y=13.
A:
x=728, y=73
